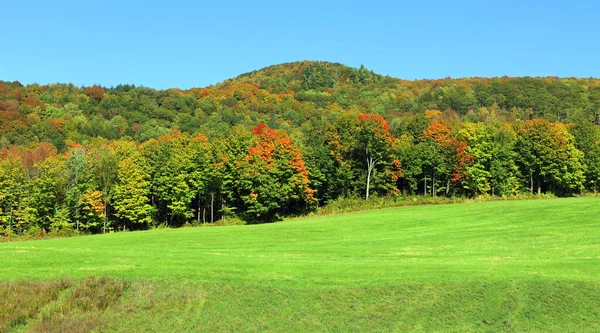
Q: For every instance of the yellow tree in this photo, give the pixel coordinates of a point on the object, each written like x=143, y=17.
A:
x=131, y=193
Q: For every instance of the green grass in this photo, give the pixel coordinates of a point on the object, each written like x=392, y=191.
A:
x=497, y=266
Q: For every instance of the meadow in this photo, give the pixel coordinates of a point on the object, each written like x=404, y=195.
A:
x=502, y=266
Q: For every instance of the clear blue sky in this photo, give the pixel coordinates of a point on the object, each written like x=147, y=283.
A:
x=185, y=44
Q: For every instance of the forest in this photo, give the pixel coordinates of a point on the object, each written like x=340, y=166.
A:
x=282, y=141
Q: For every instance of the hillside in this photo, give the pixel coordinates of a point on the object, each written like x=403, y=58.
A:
x=286, y=93
x=511, y=266
x=283, y=141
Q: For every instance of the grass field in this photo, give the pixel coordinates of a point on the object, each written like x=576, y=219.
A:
x=504, y=266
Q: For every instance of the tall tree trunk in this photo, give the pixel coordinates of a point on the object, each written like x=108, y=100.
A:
x=531, y=182
x=212, y=201
x=368, y=183
x=368, y=178
x=370, y=166
x=77, y=220
x=198, y=209
x=105, y=218
x=433, y=182
x=223, y=205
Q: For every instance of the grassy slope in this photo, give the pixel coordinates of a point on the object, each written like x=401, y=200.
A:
x=498, y=266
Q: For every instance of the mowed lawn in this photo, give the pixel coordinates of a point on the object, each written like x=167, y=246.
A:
x=495, y=266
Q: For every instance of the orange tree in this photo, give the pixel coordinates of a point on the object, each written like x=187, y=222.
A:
x=449, y=156
x=272, y=177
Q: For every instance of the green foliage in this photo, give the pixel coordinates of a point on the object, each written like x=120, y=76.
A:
x=130, y=194
x=549, y=156
x=61, y=145
x=480, y=145
x=317, y=79
x=60, y=222
x=105, y=170
x=587, y=140
x=12, y=191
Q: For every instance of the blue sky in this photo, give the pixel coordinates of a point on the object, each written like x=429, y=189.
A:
x=163, y=44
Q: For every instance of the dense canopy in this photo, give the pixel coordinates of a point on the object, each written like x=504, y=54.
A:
x=282, y=141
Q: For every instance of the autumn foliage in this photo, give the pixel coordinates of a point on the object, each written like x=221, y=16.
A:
x=281, y=141
x=95, y=92
x=273, y=175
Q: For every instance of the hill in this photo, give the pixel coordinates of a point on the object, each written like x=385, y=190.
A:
x=286, y=93
x=512, y=266
x=282, y=141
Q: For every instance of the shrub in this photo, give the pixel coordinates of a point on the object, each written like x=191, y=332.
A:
x=352, y=204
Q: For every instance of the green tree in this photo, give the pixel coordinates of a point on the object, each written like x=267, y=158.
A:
x=79, y=180
x=480, y=146
x=48, y=190
x=60, y=221
x=13, y=190
x=316, y=79
x=587, y=140
x=105, y=168
x=505, y=174
x=171, y=176
x=549, y=157
x=131, y=193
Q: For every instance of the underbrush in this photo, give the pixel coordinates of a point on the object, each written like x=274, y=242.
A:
x=58, y=306
x=35, y=233
x=21, y=301
x=353, y=204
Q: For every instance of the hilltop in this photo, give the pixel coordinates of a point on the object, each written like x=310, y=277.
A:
x=284, y=95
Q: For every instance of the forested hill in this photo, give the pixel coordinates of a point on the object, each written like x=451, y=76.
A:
x=282, y=140
x=556, y=99
x=285, y=96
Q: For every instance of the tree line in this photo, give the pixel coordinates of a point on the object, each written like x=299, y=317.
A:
x=283, y=141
